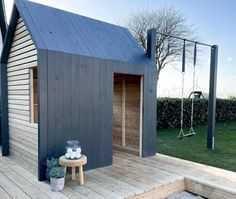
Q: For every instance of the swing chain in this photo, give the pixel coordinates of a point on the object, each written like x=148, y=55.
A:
x=181, y=133
x=191, y=131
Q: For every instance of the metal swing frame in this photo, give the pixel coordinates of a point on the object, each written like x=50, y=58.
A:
x=212, y=88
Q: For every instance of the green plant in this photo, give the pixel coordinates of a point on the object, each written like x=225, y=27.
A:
x=51, y=163
x=57, y=172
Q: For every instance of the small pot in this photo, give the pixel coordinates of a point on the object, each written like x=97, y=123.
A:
x=57, y=184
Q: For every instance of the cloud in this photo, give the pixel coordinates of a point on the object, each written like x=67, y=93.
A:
x=229, y=59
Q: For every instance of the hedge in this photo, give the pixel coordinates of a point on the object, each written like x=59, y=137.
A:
x=169, y=109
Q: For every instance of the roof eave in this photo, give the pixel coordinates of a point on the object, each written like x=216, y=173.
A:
x=9, y=35
x=29, y=23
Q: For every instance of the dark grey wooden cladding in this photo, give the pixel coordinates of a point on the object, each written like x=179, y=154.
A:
x=80, y=106
x=4, y=111
x=4, y=92
x=10, y=35
x=106, y=112
x=3, y=23
x=43, y=112
x=149, y=112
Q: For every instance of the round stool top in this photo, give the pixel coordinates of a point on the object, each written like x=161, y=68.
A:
x=75, y=162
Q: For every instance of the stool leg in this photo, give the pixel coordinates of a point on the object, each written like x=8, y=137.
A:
x=81, y=175
x=65, y=170
x=73, y=173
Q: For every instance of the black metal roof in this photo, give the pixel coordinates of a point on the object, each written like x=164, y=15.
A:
x=59, y=30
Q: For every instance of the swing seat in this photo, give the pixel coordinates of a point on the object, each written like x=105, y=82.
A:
x=190, y=134
x=186, y=135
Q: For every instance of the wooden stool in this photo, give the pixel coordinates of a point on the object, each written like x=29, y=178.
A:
x=73, y=164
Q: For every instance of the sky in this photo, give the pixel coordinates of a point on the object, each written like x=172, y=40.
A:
x=214, y=20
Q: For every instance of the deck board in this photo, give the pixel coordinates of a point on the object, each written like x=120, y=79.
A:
x=128, y=177
x=11, y=188
x=26, y=187
x=72, y=194
x=4, y=194
x=42, y=186
x=85, y=191
x=124, y=189
x=148, y=170
x=125, y=184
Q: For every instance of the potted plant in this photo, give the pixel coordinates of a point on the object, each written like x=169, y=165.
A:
x=57, y=178
x=51, y=163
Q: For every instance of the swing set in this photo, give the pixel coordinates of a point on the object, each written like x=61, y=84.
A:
x=212, y=90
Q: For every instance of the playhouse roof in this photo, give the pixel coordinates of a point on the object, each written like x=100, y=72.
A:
x=59, y=30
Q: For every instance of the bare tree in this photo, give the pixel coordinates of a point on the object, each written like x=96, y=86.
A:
x=165, y=20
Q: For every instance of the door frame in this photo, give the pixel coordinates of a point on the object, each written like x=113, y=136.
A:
x=123, y=107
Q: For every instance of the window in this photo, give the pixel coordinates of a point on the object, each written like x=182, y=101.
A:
x=34, y=95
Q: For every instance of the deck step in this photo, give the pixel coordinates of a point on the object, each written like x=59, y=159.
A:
x=209, y=190
x=163, y=191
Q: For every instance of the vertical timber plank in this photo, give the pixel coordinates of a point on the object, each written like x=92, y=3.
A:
x=4, y=111
x=43, y=112
x=106, y=112
x=123, y=109
x=141, y=117
x=67, y=102
x=149, y=112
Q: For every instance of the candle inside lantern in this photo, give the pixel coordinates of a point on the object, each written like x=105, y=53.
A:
x=73, y=150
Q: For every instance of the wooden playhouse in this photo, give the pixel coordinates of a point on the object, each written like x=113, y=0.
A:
x=66, y=76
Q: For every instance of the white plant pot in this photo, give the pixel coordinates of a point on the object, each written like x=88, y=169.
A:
x=57, y=184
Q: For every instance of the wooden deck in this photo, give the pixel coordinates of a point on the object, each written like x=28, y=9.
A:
x=128, y=177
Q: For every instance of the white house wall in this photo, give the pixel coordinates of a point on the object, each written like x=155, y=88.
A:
x=23, y=135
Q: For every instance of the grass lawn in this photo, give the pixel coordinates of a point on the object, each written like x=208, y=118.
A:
x=194, y=148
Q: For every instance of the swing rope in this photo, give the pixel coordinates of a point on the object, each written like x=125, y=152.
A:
x=181, y=133
x=191, y=131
